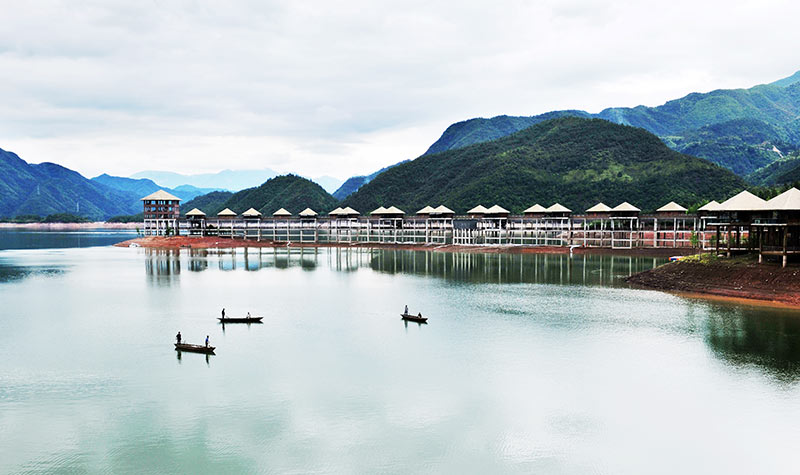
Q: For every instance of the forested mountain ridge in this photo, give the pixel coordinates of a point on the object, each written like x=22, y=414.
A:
x=577, y=162
x=702, y=124
x=47, y=188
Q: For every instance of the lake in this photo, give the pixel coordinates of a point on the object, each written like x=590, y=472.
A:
x=529, y=364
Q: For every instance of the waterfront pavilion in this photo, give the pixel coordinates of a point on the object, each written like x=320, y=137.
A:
x=624, y=225
x=161, y=213
x=596, y=224
x=778, y=233
x=669, y=225
x=734, y=222
x=197, y=222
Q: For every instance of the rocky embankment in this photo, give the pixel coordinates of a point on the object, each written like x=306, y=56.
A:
x=740, y=277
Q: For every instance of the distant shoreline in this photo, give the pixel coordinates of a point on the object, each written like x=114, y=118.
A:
x=71, y=226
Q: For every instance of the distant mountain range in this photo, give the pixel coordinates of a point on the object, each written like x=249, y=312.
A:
x=143, y=186
x=577, y=162
x=46, y=188
x=740, y=129
x=231, y=180
x=292, y=192
x=352, y=184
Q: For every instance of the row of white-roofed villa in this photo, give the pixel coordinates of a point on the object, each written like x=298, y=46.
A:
x=741, y=223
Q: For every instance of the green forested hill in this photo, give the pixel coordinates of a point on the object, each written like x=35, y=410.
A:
x=574, y=161
x=47, y=189
x=705, y=125
x=782, y=172
x=287, y=191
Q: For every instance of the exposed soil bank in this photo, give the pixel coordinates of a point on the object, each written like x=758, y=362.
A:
x=738, y=278
x=177, y=242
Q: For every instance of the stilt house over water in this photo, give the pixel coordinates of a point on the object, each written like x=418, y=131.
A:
x=161, y=213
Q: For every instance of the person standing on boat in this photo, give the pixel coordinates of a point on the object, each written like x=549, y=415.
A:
x=248, y=314
x=223, y=313
x=406, y=312
x=178, y=337
x=206, y=341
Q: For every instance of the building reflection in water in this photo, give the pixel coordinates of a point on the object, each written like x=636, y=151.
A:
x=585, y=269
x=162, y=266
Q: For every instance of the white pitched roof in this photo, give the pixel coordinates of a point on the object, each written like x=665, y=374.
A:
x=195, y=212
x=497, y=209
x=672, y=207
x=442, y=209
x=626, y=207
x=710, y=206
x=477, y=210
x=599, y=208
x=349, y=210
x=308, y=212
x=425, y=210
x=336, y=212
x=744, y=201
x=789, y=200
x=226, y=212
x=537, y=208
x=160, y=195
x=558, y=208
x=251, y=213
x=394, y=210
x=379, y=210
x=282, y=212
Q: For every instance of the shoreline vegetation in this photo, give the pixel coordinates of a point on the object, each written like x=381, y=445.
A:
x=738, y=279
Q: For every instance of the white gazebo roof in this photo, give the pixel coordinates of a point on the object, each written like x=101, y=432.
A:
x=195, y=212
x=308, y=212
x=626, y=207
x=789, y=200
x=478, y=210
x=394, y=210
x=161, y=195
x=348, y=210
x=252, y=213
x=672, y=207
x=537, y=208
x=226, y=212
x=425, y=210
x=282, y=212
x=558, y=208
x=336, y=212
x=710, y=206
x=599, y=208
x=442, y=209
x=497, y=209
x=744, y=201
x=379, y=210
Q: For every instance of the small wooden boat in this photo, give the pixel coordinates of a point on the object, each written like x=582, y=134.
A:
x=209, y=350
x=239, y=319
x=414, y=318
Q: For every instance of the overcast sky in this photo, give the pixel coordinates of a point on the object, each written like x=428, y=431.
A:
x=346, y=87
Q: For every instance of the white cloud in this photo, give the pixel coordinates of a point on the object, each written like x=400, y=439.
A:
x=347, y=87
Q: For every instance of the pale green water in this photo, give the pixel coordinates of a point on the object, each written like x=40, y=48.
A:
x=534, y=364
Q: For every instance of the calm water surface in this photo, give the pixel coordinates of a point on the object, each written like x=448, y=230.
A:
x=534, y=364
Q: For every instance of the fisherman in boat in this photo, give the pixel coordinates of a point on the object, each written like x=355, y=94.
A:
x=406, y=312
x=223, y=313
x=248, y=314
x=419, y=314
x=206, y=341
x=178, y=337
